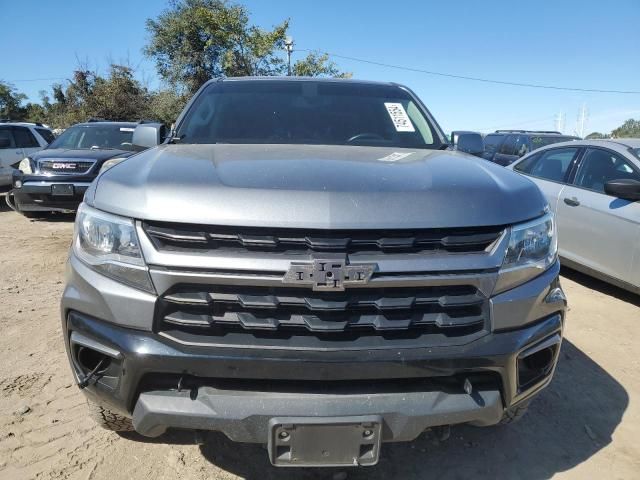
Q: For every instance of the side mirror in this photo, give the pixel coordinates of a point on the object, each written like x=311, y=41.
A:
x=147, y=135
x=470, y=143
x=5, y=143
x=627, y=189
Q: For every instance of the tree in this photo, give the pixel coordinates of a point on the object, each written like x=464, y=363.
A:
x=196, y=40
x=317, y=64
x=166, y=105
x=630, y=128
x=119, y=96
x=595, y=136
x=11, y=102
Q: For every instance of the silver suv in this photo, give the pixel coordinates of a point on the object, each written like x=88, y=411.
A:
x=306, y=264
x=17, y=141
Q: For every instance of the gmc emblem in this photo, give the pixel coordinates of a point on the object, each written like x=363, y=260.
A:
x=64, y=166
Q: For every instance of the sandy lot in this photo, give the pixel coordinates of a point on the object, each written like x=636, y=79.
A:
x=586, y=425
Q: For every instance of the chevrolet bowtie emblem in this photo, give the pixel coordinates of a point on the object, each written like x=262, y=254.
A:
x=329, y=275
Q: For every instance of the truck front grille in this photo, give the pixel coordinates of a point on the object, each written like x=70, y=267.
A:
x=232, y=286
x=172, y=237
x=451, y=311
x=65, y=166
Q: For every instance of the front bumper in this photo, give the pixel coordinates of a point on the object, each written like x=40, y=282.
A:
x=35, y=193
x=162, y=384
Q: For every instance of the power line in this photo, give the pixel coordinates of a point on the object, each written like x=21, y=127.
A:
x=477, y=79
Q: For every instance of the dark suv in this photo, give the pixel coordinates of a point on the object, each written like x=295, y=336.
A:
x=55, y=178
x=506, y=146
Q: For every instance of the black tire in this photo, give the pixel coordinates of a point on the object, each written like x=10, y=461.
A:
x=109, y=420
x=513, y=414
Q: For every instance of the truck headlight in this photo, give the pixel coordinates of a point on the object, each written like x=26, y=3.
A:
x=25, y=166
x=109, y=245
x=111, y=163
x=533, y=247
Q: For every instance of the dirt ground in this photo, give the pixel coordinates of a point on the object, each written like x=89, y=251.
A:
x=585, y=425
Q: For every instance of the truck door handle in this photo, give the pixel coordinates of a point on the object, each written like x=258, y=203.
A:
x=572, y=202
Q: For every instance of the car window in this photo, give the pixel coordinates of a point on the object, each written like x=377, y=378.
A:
x=549, y=165
x=491, y=143
x=522, y=145
x=509, y=146
x=24, y=138
x=5, y=134
x=599, y=166
x=540, y=141
x=527, y=164
x=309, y=112
x=46, y=134
x=96, y=136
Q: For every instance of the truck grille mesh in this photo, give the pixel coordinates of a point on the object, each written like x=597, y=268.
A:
x=452, y=310
x=183, y=237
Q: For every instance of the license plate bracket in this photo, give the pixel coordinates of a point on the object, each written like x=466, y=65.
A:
x=325, y=442
x=62, y=189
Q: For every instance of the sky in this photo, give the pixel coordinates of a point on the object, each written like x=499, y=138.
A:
x=568, y=43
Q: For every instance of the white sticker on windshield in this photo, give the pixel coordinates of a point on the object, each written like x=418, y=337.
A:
x=395, y=157
x=126, y=129
x=399, y=117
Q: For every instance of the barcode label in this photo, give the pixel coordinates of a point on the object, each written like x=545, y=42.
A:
x=399, y=117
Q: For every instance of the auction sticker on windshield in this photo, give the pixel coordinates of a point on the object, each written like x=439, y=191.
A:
x=399, y=117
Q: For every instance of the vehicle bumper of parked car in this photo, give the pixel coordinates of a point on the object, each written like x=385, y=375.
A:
x=241, y=392
x=49, y=193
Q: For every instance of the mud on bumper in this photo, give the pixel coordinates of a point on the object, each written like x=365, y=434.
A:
x=238, y=391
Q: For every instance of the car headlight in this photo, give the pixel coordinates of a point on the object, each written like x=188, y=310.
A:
x=25, y=166
x=109, y=245
x=533, y=247
x=111, y=163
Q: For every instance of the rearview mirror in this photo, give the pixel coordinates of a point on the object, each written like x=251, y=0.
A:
x=470, y=143
x=5, y=143
x=626, y=188
x=147, y=135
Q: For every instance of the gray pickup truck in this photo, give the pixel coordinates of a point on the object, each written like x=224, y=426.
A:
x=306, y=264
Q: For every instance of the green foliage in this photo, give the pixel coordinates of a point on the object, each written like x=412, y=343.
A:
x=196, y=40
x=317, y=64
x=630, y=128
x=595, y=136
x=11, y=102
x=166, y=105
x=191, y=42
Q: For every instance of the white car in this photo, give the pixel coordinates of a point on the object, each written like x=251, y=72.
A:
x=19, y=140
x=593, y=187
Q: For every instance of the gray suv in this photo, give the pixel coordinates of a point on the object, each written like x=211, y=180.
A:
x=307, y=264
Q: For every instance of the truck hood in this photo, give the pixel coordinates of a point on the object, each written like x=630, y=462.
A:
x=309, y=186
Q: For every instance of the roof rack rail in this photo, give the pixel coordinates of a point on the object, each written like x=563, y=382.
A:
x=8, y=120
x=529, y=131
x=94, y=119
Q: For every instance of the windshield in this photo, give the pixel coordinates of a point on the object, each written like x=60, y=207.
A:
x=307, y=112
x=538, y=142
x=96, y=137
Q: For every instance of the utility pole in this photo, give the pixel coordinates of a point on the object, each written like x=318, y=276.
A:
x=582, y=120
x=288, y=45
x=560, y=122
